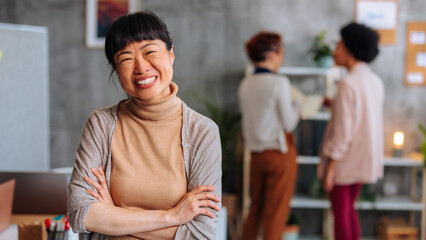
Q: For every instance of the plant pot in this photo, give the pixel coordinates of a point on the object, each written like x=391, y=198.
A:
x=230, y=201
x=291, y=232
x=325, y=61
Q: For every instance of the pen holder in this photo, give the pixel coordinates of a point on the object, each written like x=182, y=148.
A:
x=57, y=235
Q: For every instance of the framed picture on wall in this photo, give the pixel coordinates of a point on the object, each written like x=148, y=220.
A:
x=100, y=14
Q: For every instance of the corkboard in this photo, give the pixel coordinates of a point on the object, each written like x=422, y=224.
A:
x=415, y=58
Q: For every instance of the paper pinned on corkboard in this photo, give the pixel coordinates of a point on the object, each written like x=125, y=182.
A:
x=415, y=59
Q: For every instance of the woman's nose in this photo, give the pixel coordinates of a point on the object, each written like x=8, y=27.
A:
x=141, y=66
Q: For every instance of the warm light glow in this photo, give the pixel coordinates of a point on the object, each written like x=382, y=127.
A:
x=398, y=139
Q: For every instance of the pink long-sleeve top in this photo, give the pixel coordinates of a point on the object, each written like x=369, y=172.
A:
x=354, y=134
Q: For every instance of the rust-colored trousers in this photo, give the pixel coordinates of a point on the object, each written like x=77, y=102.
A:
x=272, y=177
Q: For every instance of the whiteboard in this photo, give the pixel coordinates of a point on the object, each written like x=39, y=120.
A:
x=24, y=98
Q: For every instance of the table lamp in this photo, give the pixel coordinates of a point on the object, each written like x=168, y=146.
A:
x=398, y=143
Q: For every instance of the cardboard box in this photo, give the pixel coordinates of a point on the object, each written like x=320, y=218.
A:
x=31, y=231
x=6, y=202
x=395, y=229
x=28, y=220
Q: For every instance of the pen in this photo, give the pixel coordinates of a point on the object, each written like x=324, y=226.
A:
x=47, y=222
x=67, y=224
x=57, y=227
x=52, y=225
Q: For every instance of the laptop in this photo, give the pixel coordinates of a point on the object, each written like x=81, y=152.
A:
x=38, y=192
x=6, y=202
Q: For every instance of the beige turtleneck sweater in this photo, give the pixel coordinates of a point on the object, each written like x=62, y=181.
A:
x=148, y=169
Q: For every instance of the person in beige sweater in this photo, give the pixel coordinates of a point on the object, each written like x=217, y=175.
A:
x=269, y=119
x=148, y=167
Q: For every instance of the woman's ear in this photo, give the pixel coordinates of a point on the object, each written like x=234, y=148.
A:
x=172, y=55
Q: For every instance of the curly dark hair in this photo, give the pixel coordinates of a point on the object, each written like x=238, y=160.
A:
x=361, y=41
x=261, y=44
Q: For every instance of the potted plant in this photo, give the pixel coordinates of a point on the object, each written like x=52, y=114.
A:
x=316, y=190
x=423, y=147
x=321, y=50
x=229, y=122
x=291, y=232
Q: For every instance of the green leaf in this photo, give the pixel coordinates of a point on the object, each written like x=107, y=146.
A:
x=319, y=47
x=423, y=149
x=229, y=123
x=422, y=129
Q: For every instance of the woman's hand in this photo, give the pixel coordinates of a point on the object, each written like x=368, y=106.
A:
x=328, y=102
x=102, y=193
x=328, y=181
x=195, y=203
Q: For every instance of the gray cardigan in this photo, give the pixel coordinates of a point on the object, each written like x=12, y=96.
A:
x=202, y=156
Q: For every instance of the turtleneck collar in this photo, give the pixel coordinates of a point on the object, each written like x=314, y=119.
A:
x=158, y=109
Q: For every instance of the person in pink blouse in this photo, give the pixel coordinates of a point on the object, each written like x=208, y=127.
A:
x=352, y=149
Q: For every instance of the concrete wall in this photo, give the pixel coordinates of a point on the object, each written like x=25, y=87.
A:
x=209, y=37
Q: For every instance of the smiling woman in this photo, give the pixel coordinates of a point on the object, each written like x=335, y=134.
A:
x=156, y=161
x=145, y=69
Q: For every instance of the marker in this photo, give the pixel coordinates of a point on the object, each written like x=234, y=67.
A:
x=52, y=225
x=47, y=223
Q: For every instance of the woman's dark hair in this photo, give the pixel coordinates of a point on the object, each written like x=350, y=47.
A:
x=134, y=27
x=361, y=41
x=261, y=44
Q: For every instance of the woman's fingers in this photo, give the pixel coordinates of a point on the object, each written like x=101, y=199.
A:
x=99, y=176
x=210, y=196
x=102, y=174
x=93, y=183
x=208, y=203
x=203, y=192
x=328, y=184
x=329, y=180
x=198, y=201
x=202, y=188
x=205, y=198
x=101, y=186
x=205, y=211
x=101, y=171
x=94, y=194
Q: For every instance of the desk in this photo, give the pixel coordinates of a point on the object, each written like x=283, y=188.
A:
x=12, y=233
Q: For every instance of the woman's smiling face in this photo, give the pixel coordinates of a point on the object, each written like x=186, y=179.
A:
x=145, y=69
